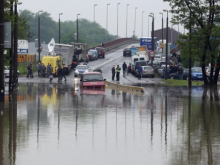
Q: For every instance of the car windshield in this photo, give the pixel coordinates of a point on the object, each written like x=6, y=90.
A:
x=127, y=49
x=99, y=49
x=156, y=56
x=90, y=53
x=135, y=59
x=82, y=67
x=141, y=63
x=147, y=68
x=197, y=70
x=93, y=77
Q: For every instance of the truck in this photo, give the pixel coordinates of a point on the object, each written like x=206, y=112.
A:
x=71, y=53
x=135, y=58
x=146, y=41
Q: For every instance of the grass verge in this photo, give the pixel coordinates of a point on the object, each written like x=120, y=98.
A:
x=174, y=82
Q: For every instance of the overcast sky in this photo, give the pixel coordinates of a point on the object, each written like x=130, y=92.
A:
x=70, y=8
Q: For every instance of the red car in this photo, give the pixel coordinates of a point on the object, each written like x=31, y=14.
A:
x=101, y=52
x=92, y=80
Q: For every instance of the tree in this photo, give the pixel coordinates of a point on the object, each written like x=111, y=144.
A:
x=204, y=39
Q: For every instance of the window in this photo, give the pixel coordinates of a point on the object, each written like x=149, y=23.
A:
x=93, y=77
x=82, y=67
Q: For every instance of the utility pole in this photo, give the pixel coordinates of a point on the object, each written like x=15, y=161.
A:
x=11, y=80
x=2, y=80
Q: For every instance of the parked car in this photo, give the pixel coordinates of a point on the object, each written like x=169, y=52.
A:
x=7, y=71
x=176, y=74
x=127, y=52
x=148, y=71
x=92, y=54
x=80, y=69
x=101, y=52
x=196, y=73
x=136, y=64
x=92, y=80
x=158, y=57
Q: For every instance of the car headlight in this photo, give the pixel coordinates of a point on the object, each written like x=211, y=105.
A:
x=76, y=71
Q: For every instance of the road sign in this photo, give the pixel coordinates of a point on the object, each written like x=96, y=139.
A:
x=151, y=53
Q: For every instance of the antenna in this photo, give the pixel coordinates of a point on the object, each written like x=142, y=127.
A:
x=51, y=46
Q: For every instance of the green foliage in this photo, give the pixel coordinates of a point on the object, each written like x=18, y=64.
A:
x=203, y=18
x=90, y=33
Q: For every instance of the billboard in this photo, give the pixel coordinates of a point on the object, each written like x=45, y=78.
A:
x=146, y=41
x=22, y=47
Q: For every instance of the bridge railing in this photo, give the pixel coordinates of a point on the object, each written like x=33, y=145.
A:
x=117, y=43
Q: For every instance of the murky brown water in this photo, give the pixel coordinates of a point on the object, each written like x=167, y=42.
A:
x=58, y=125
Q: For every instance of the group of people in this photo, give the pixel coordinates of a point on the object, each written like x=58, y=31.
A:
x=47, y=71
x=116, y=71
x=44, y=71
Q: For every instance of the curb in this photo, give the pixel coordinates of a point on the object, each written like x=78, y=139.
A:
x=126, y=88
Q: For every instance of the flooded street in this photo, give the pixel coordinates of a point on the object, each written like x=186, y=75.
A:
x=58, y=124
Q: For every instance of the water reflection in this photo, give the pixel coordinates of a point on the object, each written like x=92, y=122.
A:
x=41, y=120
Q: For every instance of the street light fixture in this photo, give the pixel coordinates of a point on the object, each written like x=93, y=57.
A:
x=15, y=75
x=117, y=19
x=94, y=11
x=59, y=25
x=134, y=21
x=106, y=23
x=162, y=27
x=39, y=34
x=127, y=19
x=77, y=28
x=152, y=34
x=166, y=43
x=142, y=25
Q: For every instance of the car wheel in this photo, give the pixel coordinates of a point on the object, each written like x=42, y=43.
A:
x=171, y=77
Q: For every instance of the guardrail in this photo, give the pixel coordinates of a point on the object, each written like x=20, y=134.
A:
x=126, y=88
x=120, y=44
x=117, y=43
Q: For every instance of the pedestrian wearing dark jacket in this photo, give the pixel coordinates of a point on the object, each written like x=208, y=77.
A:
x=64, y=71
x=113, y=72
x=30, y=71
x=180, y=70
x=59, y=73
x=140, y=70
x=124, y=66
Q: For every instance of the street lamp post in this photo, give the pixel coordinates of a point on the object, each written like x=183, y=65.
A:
x=106, y=23
x=152, y=36
x=77, y=29
x=162, y=27
x=94, y=11
x=135, y=21
x=39, y=34
x=142, y=25
x=117, y=19
x=15, y=75
x=127, y=19
x=166, y=44
x=59, y=26
x=148, y=26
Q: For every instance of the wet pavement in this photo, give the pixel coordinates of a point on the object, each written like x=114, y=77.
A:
x=58, y=123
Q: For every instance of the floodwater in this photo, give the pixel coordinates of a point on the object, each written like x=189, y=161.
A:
x=58, y=124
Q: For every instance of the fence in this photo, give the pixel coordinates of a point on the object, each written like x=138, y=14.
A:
x=24, y=61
